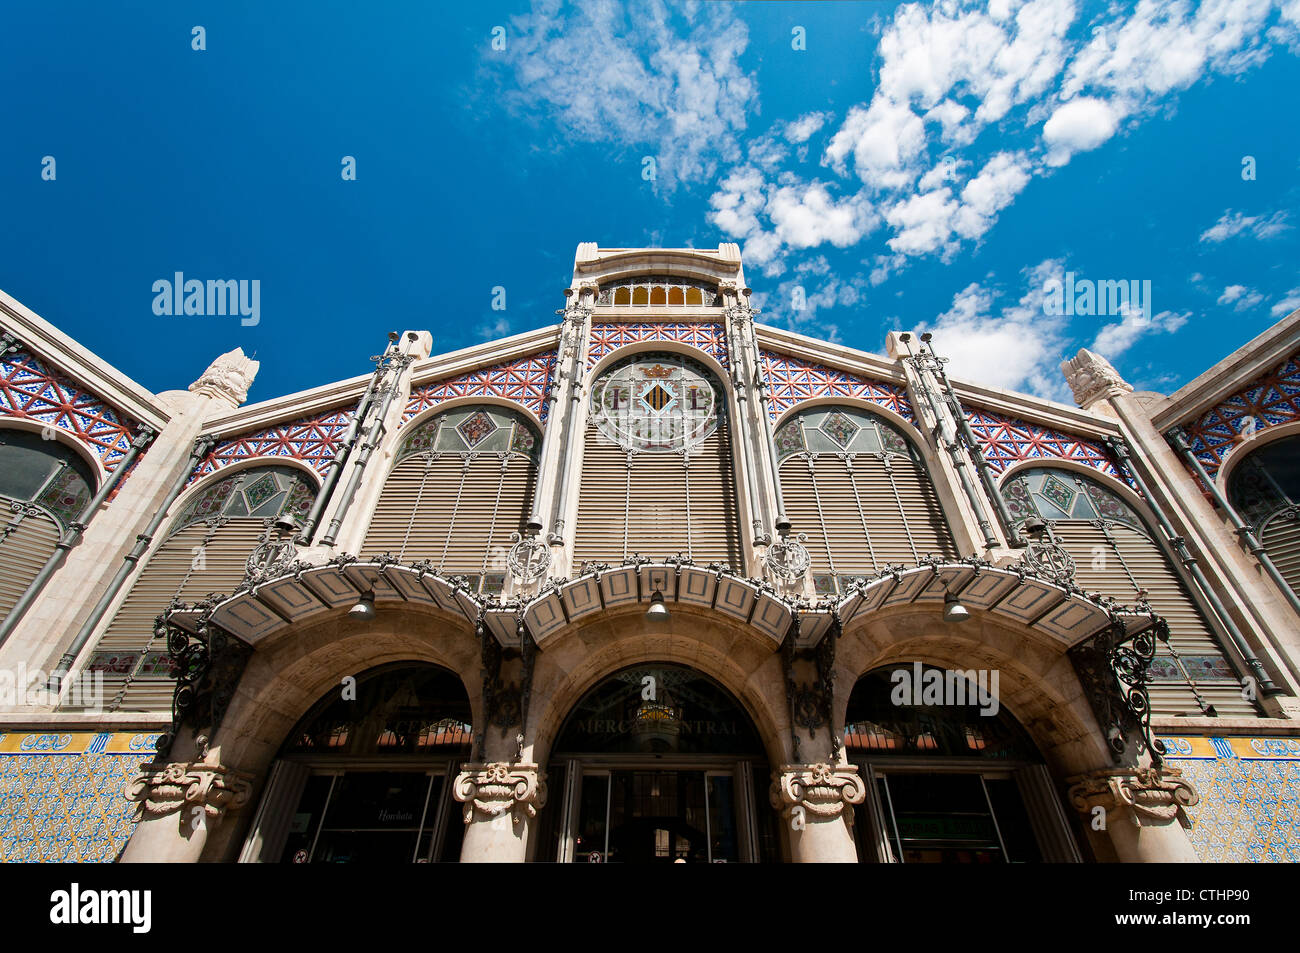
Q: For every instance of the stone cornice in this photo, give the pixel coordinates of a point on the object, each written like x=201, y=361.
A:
x=1256, y=357
x=79, y=363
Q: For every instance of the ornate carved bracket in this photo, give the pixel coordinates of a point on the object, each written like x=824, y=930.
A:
x=161, y=789
x=493, y=789
x=207, y=667
x=1160, y=794
x=811, y=704
x=822, y=790
x=1113, y=668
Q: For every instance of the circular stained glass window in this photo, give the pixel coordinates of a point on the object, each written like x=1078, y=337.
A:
x=660, y=402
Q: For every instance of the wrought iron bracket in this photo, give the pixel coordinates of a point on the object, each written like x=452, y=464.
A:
x=207, y=666
x=1114, y=668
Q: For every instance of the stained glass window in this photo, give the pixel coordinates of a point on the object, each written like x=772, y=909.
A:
x=477, y=429
x=46, y=473
x=840, y=430
x=258, y=493
x=1053, y=494
x=656, y=403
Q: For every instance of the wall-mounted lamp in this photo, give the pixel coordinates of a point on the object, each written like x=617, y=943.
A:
x=364, y=610
x=953, y=610
x=658, y=612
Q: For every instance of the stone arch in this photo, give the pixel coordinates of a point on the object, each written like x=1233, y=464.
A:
x=1037, y=682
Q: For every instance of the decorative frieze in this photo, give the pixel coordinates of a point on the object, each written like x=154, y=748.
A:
x=817, y=790
x=498, y=787
x=1156, y=793
x=164, y=788
x=791, y=380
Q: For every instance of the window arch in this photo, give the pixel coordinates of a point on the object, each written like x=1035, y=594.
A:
x=205, y=551
x=860, y=491
x=1265, y=489
x=462, y=483
x=657, y=473
x=1116, y=553
x=44, y=486
x=658, y=290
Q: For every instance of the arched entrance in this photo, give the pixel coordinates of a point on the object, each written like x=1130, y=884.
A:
x=657, y=764
x=951, y=776
x=365, y=776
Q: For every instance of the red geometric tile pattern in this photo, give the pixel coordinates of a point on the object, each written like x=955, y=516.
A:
x=1008, y=440
x=791, y=380
x=1263, y=403
x=313, y=440
x=31, y=390
x=709, y=338
x=524, y=380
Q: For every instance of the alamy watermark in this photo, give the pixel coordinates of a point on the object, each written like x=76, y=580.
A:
x=76, y=906
x=1085, y=296
x=21, y=686
x=213, y=297
x=953, y=687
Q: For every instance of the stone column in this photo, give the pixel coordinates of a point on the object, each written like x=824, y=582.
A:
x=817, y=800
x=1140, y=809
x=180, y=802
x=500, y=799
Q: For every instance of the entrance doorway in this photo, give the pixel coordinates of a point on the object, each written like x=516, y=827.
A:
x=657, y=765
x=366, y=776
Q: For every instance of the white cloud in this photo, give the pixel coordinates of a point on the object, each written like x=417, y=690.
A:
x=1114, y=339
x=1079, y=125
x=1241, y=297
x=1231, y=224
x=625, y=76
x=923, y=222
x=1288, y=304
x=802, y=129
x=996, y=187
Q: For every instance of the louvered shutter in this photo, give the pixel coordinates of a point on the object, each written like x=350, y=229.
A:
x=169, y=572
x=1281, y=540
x=23, y=552
x=456, y=514
x=1189, y=634
x=643, y=508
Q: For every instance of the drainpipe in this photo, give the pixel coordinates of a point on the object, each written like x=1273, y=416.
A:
x=72, y=535
x=346, y=444
x=948, y=439
x=201, y=448
x=559, y=505
x=1178, y=438
x=976, y=453
x=748, y=437
x=396, y=363
x=782, y=522
x=1119, y=447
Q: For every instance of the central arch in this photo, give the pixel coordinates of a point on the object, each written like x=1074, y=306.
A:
x=657, y=762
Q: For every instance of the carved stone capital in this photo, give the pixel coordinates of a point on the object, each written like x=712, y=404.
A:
x=1156, y=793
x=821, y=790
x=1092, y=378
x=228, y=378
x=500, y=786
x=161, y=789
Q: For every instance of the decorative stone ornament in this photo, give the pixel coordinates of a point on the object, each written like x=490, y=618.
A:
x=228, y=378
x=161, y=789
x=493, y=789
x=822, y=790
x=528, y=558
x=788, y=559
x=1092, y=378
x=1156, y=793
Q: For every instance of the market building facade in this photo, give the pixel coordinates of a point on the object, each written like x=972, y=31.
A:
x=655, y=583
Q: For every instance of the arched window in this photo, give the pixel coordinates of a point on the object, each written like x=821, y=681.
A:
x=462, y=483
x=657, y=473
x=44, y=486
x=860, y=491
x=1115, y=553
x=951, y=775
x=205, y=551
x=1265, y=489
x=366, y=775
x=658, y=290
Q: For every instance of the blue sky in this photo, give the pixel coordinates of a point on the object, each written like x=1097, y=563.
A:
x=924, y=165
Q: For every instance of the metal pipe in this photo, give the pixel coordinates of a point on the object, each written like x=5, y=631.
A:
x=70, y=536
x=976, y=453
x=346, y=445
x=396, y=363
x=762, y=408
x=948, y=440
x=747, y=443
x=1119, y=447
x=1178, y=438
x=142, y=541
x=559, y=505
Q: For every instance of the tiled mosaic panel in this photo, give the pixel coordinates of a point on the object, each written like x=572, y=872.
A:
x=1250, y=797
x=31, y=390
x=1008, y=440
x=313, y=440
x=525, y=380
x=606, y=338
x=61, y=795
x=791, y=380
x=1263, y=403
